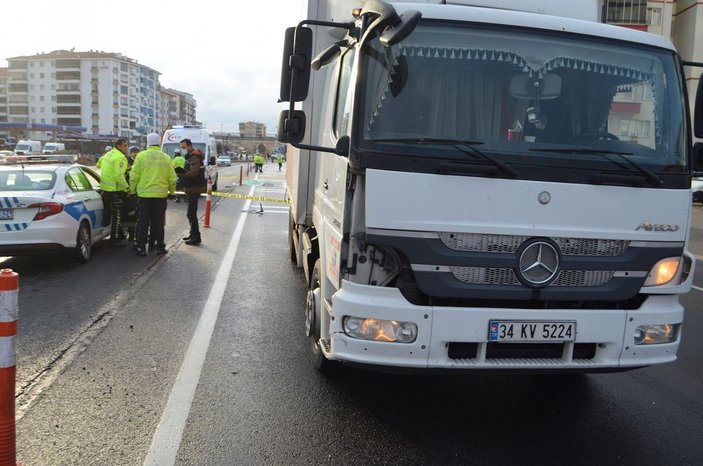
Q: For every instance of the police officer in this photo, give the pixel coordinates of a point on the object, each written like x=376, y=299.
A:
x=179, y=162
x=113, y=184
x=152, y=179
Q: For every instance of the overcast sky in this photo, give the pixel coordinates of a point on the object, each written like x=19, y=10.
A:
x=226, y=53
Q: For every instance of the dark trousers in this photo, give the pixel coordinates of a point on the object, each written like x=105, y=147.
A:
x=192, y=215
x=112, y=203
x=152, y=216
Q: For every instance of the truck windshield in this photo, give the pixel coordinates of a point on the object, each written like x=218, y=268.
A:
x=531, y=99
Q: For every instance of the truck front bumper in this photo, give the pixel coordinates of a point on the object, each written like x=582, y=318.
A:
x=458, y=338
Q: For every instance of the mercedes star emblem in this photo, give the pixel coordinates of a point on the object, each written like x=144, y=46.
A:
x=539, y=263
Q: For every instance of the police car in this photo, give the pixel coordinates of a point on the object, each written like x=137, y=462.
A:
x=48, y=206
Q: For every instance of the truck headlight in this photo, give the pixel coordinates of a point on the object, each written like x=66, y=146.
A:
x=663, y=271
x=380, y=330
x=656, y=334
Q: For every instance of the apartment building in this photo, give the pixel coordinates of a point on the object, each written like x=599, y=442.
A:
x=105, y=93
x=4, y=78
x=680, y=21
x=178, y=108
x=252, y=129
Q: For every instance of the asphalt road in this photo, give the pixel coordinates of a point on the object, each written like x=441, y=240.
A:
x=103, y=345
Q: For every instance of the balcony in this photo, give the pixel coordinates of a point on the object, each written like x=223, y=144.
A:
x=68, y=99
x=68, y=110
x=68, y=121
x=68, y=64
x=68, y=89
x=68, y=75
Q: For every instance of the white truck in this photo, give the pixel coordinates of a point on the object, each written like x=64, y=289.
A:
x=480, y=188
x=28, y=147
x=53, y=148
x=200, y=137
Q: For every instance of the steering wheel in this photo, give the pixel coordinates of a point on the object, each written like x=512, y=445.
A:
x=597, y=136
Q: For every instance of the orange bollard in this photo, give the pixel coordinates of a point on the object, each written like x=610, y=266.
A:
x=9, y=286
x=241, y=169
x=208, y=204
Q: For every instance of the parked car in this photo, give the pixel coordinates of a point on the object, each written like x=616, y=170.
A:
x=50, y=207
x=223, y=161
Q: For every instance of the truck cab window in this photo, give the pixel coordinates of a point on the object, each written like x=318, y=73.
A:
x=344, y=95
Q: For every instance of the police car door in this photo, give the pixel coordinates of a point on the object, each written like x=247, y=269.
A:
x=84, y=185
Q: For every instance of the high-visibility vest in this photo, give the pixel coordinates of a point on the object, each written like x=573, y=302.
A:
x=112, y=171
x=152, y=175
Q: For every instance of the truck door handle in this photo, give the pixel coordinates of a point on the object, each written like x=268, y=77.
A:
x=326, y=185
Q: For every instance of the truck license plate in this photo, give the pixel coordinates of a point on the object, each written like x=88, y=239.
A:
x=6, y=214
x=531, y=331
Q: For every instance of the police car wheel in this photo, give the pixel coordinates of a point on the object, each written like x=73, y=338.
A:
x=83, y=244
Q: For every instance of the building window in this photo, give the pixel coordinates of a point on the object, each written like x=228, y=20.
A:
x=41, y=75
x=654, y=16
x=635, y=128
x=625, y=11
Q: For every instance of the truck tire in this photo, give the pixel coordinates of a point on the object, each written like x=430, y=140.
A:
x=313, y=309
x=291, y=243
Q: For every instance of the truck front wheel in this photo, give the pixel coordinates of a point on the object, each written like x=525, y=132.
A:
x=291, y=242
x=313, y=310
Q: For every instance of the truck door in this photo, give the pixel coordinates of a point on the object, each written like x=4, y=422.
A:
x=334, y=168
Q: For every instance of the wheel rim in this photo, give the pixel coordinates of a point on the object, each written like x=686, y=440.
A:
x=84, y=242
x=311, y=310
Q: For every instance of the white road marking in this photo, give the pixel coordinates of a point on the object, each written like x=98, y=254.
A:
x=169, y=432
x=696, y=287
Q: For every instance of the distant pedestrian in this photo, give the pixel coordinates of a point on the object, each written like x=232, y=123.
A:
x=152, y=180
x=279, y=159
x=259, y=163
x=194, y=184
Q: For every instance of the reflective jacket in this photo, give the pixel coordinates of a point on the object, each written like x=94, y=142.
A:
x=193, y=180
x=113, y=167
x=179, y=161
x=152, y=175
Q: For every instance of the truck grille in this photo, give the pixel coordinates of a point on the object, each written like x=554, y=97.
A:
x=505, y=276
x=473, y=242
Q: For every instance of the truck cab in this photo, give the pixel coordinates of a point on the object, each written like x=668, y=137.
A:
x=482, y=188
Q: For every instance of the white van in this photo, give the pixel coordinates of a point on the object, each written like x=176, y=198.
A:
x=27, y=147
x=200, y=137
x=53, y=148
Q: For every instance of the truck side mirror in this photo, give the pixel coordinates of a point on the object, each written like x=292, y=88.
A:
x=698, y=159
x=295, y=67
x=291, y=127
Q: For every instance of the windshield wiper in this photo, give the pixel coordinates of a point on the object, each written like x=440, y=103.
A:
x=648, y=174
x=457, y=144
